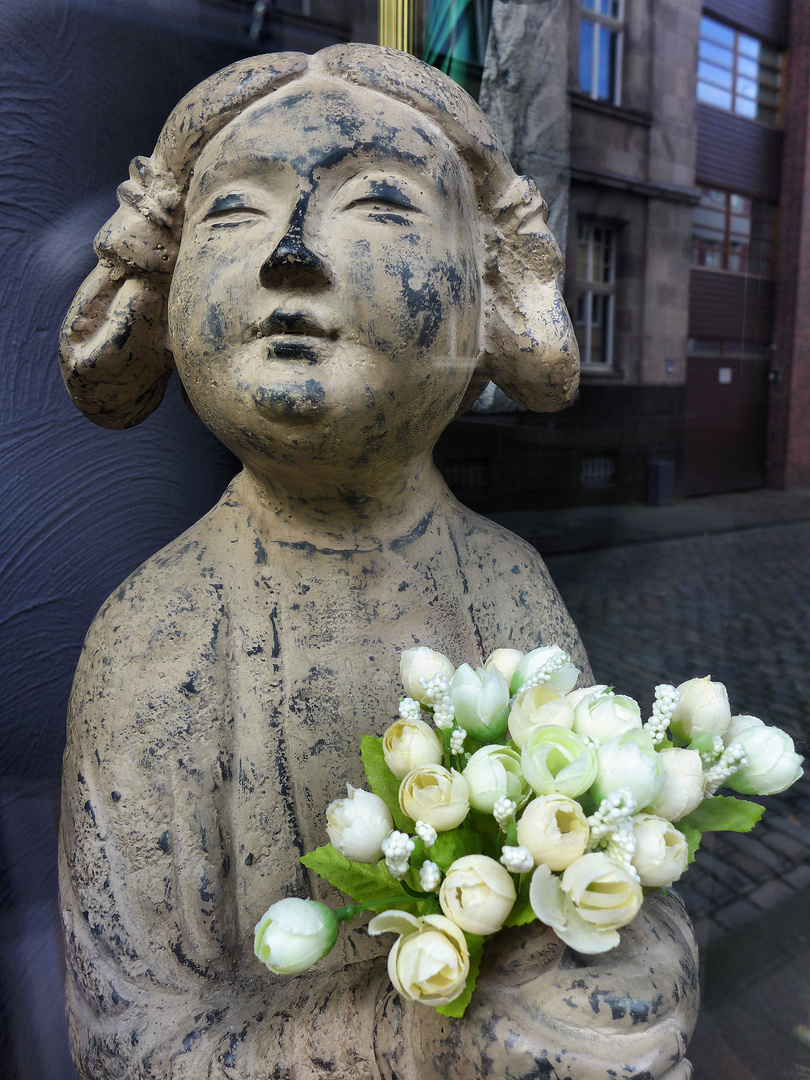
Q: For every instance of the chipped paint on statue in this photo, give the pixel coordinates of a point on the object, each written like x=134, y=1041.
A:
x=336, y=256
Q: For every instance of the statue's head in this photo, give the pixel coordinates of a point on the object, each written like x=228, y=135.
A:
x=334, y=243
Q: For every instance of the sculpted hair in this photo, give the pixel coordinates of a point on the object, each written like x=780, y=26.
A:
x=113, y=345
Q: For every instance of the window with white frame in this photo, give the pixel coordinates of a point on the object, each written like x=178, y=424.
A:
x=601, y=28
x=738, y=73
x=595, y=298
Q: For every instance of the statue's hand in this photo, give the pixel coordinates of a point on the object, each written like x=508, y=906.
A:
x=540, y=1010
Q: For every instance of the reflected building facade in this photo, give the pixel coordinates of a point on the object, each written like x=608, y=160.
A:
x=686, y=204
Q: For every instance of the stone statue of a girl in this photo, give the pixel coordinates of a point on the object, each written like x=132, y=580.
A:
x=335, y=254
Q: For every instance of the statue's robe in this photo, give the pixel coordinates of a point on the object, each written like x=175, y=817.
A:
x=217, y=709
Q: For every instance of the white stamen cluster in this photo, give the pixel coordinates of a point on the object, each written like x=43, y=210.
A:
x=544, y=673
x=712, y=756
x=621, y=847
x=613, y=811
x=666, y=698
x=732, y=759
x=429, y=876
x=437, y=692
x=504, y=810
x=397, y=848
x=517, y=860
x=457, y=740
x=409, y=709
x=426, y=833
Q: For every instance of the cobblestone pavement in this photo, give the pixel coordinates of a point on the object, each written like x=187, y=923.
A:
x=732, y=605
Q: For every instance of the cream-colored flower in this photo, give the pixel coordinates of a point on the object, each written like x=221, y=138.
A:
x=477, y=894
x=555, y=761
x=358, y=825
x=684, y=785
x=661, y=851
x=536, y=707
x=493, y=772
x=573, y=697
x=435, y=795
x=773, y=764
x=430, y=961
x=505, y=661
x=422, y=663
x=409, y=744
x=629, y=761
x=586, y=906
x=293, y=934
x=554, y=829
x=603, y=715
x=551, y=658
x=702, y=709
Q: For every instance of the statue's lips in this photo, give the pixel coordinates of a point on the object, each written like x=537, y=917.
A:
x=289, y=327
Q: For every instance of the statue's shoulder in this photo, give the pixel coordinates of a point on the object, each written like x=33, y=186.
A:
x=516, y=600
x=507, y=554
x=170, y=600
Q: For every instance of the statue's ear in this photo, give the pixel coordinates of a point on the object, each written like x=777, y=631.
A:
x=529, y=350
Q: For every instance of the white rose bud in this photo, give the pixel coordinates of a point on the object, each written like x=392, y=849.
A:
x=477, y=894
x=554, y=829
x=430, y=961
x=630, y=760
x=773, y=764
x=702, y=709
x=564, y=677
x=492, y=773
x=575, y=696
x=358, y=825
x=294, y=934
x=409, y=744
x=435, y=795
x=422, y=663
x=588, y=903
x=661, y=851
x=481, y=702
x=555, y=761
x=539, y=705
x=604, y=893
x=505, y=661
x=684, y=786
x=604, y=715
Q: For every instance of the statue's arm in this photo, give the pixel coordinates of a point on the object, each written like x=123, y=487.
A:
x=162, y=982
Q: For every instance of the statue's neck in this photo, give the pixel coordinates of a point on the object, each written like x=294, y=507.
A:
x=350, y=516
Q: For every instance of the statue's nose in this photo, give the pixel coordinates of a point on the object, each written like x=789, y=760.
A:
x=291, y=257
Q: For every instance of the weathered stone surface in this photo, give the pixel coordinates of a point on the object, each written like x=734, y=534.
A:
x=524, y=92
x=340, y=251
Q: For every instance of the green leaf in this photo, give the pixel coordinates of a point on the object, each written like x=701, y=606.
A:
x=692, y=837
x=363, y=882
x=520, y=914
x=475, y=944
x=382, y=781
x=453, y=845
x=723, y=813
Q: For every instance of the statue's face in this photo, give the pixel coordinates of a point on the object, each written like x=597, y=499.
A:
x=326, y=300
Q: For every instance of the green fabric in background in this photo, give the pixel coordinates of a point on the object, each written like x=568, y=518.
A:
x=456, y=39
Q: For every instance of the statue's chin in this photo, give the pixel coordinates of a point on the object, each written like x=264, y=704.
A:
x=297, y=401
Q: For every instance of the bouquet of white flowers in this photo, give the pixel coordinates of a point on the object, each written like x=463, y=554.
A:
x=524, y=799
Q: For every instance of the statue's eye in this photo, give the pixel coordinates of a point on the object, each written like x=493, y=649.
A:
x=227, y=211
x=384, y=202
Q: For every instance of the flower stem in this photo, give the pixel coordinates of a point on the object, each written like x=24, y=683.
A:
x=351, y=911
